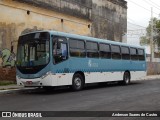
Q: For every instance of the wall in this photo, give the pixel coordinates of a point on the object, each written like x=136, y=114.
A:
x=8, y=74
x=78, y=8
x=97, y=18
x=153, y=68
x=16, y=21
x=109, y=19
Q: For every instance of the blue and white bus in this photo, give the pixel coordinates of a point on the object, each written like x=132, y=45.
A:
x=51, y=58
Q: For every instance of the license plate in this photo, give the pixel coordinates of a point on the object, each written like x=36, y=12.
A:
x=29, y=82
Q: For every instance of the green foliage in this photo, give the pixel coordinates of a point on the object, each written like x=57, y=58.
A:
x=145, y=40
x=2, y=83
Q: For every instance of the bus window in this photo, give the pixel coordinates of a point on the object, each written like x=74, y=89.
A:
x=77, y=48
x=92, y=49
x=104, y=50
x=59, y=50
x=125, y=53
x=116, y=53
x=133, y=52
x=141, y=54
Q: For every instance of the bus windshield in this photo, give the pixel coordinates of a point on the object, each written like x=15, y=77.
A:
x=33, y=50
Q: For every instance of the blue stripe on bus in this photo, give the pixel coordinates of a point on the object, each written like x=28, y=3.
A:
x=96, y=65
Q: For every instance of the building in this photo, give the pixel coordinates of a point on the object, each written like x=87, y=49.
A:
x=105, y=19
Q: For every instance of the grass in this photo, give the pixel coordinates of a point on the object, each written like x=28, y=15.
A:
x=3, y=83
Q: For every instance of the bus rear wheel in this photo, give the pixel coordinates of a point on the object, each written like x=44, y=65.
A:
x=126, y=78
x=77, y=82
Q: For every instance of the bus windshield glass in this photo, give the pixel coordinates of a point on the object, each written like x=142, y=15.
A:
x=33, y=50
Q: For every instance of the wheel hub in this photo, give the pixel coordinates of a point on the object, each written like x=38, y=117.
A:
x=77, y=82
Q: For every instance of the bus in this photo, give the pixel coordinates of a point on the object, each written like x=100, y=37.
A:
x=52, y=58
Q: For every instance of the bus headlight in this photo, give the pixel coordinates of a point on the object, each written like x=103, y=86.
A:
x=18, y=77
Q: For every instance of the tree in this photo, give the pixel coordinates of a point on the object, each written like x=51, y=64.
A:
x=145, y=40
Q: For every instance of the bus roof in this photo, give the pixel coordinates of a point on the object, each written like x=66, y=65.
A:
x=70, y=35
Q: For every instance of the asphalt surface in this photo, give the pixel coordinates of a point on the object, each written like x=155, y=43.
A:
x=138, y=96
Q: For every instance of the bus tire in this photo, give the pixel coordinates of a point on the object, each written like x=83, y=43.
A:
x=77, y=82
x=126, y=78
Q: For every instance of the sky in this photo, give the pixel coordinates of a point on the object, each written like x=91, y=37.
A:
x=140, y=10
x=138, y=16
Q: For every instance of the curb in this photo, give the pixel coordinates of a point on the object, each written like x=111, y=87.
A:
x=8, y=91
x=16, y=90
x=151, y=78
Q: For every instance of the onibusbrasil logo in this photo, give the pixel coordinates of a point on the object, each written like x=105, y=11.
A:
x=21, y=114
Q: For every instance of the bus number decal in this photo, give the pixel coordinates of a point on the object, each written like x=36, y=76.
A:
x=92, y=64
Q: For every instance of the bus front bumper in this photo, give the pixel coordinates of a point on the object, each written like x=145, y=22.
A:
x=36, y=82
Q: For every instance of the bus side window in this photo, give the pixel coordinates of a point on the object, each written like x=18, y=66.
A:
x=116, y=52
x=125, y=53
x=141, y=54
x=59, y=50
x=134, y=54
x=77, y=48
x=104, y=51
x=92, y=49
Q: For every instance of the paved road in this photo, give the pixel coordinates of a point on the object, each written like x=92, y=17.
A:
x=139, y=96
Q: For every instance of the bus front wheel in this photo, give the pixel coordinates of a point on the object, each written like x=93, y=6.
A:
x=77, y=82
x=126, y=78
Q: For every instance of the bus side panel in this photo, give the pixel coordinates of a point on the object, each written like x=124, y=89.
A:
x=103, y=76
x=64, y=79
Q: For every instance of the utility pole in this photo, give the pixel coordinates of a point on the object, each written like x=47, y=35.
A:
x=151, y=39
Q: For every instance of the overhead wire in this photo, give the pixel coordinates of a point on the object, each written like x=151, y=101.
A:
x=151, y=3
x=138, y=31
x=154, y=3
x=136, y=25
x=143, y=7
